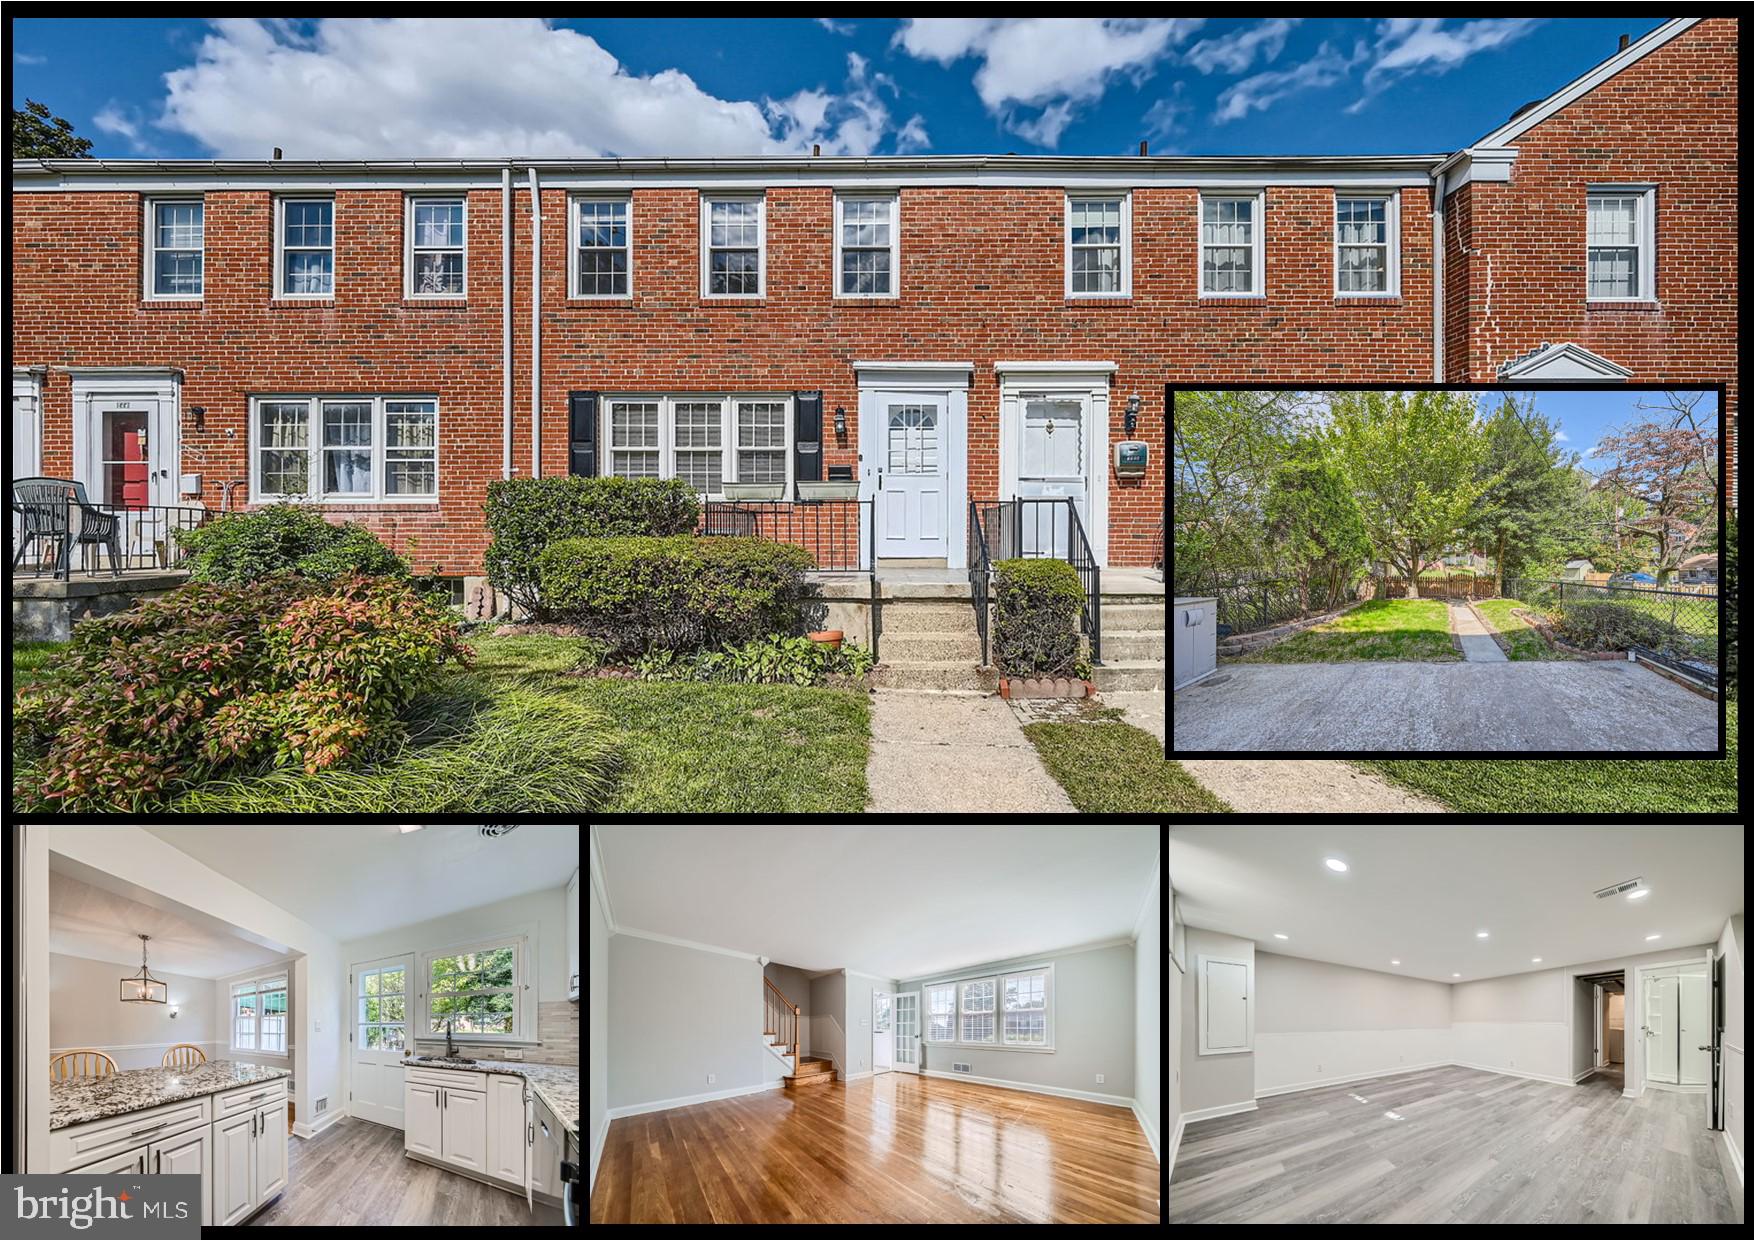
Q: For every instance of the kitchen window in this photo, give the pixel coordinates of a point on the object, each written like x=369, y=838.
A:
x=734, y=246
x=1098, y=246
x=602, y=262
x=1622, y=243
x=345, y=449
x=436, y=263
x=258, y=1015
x=867, y=244
x=176, y=232
x=304, y=247
x=483, y=990
x=706, y=440
x=1230, y=245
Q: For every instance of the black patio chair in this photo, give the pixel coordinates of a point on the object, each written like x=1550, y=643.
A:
x=44, y=507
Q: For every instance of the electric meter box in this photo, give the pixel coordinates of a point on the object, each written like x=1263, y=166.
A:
x=1131, y=456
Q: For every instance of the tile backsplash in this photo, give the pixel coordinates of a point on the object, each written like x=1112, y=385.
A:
x=557, y=1028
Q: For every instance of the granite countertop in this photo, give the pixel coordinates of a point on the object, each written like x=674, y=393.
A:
x=556, y=1084
x=82, y=1100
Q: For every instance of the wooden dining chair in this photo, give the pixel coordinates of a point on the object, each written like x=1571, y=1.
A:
x=184, y=1055
x=70, y=1064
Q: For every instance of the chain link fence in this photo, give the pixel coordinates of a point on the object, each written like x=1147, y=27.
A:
x=1677, y=627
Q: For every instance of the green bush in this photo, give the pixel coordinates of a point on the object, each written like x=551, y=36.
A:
x=239, y=548
x=771, y=660
x=525, y=516
x=1601, y=624
x=679, y=593
x=1036, y=608
x=217, y=678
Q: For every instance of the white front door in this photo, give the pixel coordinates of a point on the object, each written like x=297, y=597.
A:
x=1054, y=434
x=913, y=492
x=907, y=1031
x=882, y=1032
x=380, y=1035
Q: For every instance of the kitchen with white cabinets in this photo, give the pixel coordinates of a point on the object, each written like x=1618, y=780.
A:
x=329, y=1025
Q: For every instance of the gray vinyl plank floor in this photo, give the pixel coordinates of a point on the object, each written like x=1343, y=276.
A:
x=1455, y=1145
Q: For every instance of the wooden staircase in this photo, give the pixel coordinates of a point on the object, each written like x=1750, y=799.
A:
x=783, y=1040
x=811, y=1071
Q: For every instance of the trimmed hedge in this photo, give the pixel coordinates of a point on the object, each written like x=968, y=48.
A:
x=679, y=593
x=525, y=516
x=239, y=548
x=1037, y=606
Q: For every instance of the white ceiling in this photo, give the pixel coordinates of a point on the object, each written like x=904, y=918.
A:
x=893, y=901
x=1420, y=894
x=96, y=924
x=353, y=881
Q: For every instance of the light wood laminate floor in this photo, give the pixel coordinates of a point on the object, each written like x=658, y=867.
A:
x=354, y=1174
x=896, y=1148
x=1455, y=1145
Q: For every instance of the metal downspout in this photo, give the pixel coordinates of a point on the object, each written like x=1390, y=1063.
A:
x=1437, y=243
x=505, y=297
x=535, y=326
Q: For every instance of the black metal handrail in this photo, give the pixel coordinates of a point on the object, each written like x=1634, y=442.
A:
x=980, y=575
x=836, y=532
x=113, y=538
x=1031, y=528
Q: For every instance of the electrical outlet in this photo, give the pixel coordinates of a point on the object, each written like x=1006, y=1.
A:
x=1099, y=1078
x=513, y=1052
x=1318, y=1069
x=711, y=1079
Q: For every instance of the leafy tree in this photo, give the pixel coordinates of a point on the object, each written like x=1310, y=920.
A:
x=38, y=133
x=1535, y=498
x=1416, y=463
x=1314, y=524
x=1226, y=447
x=1661, y=465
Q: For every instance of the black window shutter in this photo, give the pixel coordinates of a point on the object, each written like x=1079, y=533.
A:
x=583, y=433
x=807, y=435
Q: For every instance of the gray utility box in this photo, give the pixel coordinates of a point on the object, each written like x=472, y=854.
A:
x=1196, y=640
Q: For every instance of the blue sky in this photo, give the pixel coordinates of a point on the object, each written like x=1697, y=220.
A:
x=345, y=88
x=1585, y=417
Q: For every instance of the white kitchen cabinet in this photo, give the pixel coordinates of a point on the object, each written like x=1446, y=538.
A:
x=507, y=1129
x=234, y=1169
x=188, y=1154
x=545, y=1155
x=572, y=935
x=131, y=1163
x=270, y=1150
x=420, y=1119
x=463, y=1129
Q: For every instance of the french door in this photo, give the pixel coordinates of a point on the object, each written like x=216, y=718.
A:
x=381, y=1021
x=907, y=1031
x=882, y=1032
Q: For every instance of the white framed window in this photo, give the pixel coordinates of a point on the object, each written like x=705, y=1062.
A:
x=1025, y=1007
x=602, y=248
x=175, y=249
x=706, y=439
x=941, y=1012
x=344, y=449
x=304, y=247
x=867, y=245
x=436, y=258
x=1099, y=246
x=976, y=1001
x=698, y=438
x=483, y=989
x=733, y=252
x=635, y=442
x=1232, y=231
x=1622, y=244
x=761, y=440
x=1367, y=245
x=383, y=1008
x=258, y=1015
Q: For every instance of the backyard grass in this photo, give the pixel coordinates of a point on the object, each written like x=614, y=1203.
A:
x=1116, y=768
x=1526, y=645
x=31, y=659
x=1400, y=630
x=1605, y=786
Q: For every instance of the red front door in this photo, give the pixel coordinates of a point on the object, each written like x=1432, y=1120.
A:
x=125, y=469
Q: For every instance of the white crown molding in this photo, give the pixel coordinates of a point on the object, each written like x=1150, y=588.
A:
x=674, y=942
x=1040, y=958
x=600, y=884
x=875, y=977
x=1156, y=875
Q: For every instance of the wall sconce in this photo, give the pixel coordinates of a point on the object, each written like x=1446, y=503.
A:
x=840, y=421
x=1132, y=416
x=199, y=413
x=173, y=1011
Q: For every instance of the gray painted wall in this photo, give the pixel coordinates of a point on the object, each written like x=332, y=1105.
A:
x=1212, y=1080
x=599, y=1017
x=1173, y=976
x=1148, y=1017
x=857, y=1020
x=677, y=1014
x=1093, y=1026
x=794, y=984
x=828, y=1016
x=1522, y=997
x=1293, y=995
x=86, y=1013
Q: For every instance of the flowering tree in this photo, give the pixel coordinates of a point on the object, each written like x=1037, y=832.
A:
x=1672, y=469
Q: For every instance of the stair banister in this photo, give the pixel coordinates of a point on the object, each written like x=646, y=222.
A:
x=782, y=1017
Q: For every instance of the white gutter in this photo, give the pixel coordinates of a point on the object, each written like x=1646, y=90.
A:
x=1437, y=241
x=505, y=297
x=535, y=326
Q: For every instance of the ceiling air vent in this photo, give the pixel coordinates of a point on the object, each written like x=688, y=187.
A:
x=494, y=832
x=1629, y=885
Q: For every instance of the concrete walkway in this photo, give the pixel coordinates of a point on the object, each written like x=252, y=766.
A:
x=954, y=753
x=1299, y=787
x=1477, y=643
x=1514, y=708
x=1144, y=710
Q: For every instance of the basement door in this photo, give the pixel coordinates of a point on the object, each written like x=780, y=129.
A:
x=379, y=1038
x=907, y=1031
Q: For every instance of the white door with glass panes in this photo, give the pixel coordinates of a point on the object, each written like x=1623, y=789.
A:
x=381, y=1013
x=912, y=475
x=1051, y=464
x=907, y=1031
x=882, y=1032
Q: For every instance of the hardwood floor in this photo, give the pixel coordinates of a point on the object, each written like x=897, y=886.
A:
x=354, y=1174
x=896, y=1148
x=1455, y=1145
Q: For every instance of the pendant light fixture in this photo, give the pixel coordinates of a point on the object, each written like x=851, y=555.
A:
x=142, y=987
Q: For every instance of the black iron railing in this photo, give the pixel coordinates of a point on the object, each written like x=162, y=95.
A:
x=69, y=535
x=840, y=534
x=980, y=576
x=1048, y=528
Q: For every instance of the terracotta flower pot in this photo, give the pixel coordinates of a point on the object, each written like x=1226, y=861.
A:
x=828, y=637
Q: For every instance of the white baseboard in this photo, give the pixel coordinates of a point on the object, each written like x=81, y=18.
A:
x=1234, y=1108
x=1531, y=1076
x=1585, y=1075
x=597, y=1145
x=859, y=1076
x=1675, y=1089
x=1735, y=1154
x=1150, y=1132
x=1052, y=1090
x=667, y=1104
x=301, y=1129
x=1345, y=1080
x=1175, y=1141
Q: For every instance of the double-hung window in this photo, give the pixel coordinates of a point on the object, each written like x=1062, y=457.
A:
x=941, y=1012
x=602, y=257
x=1230, y=245
x=698, y=433
x=479, y=989
x=1366, y=245
x=706, y=440
x=175, y=233
x=1098, y=245
x=635, y=442
x=977, y=1011
x=1622, y=243
x=1023, y=999
x=258, y=1015
x=304, y=246
x=867, y=245
x=436, y=231
x=734, y=249
x=345, y=449
x=1010, y=1010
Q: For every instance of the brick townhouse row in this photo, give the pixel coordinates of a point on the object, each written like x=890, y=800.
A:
x=385, y=338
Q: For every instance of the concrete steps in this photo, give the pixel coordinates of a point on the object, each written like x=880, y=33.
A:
x=905, y=647
x=927, y=617
x=940, y=674
x=1134, y=644
x=1130, y=676
x=1130, y=617
x=1126, y=645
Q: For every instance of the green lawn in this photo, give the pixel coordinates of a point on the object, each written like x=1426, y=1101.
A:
x=1525, y=643
x=1605, y=786
x=1382, y=629
x=31, y=659
x=1118, y=769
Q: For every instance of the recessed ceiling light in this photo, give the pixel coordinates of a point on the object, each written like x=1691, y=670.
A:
x=1649, y=937
x=1394, y=962
x=1336, y=865
x=1640, y=894
x=1281, y=936
x=1480, y=934
x=406, y=830
x=1455, y=974
x=1534, y=960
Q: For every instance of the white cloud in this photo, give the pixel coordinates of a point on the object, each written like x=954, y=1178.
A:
x=27, y=58
x=124, y=122
x=1165, y=117
x=1406, y=45
x=1036, y=72
x=1236, y=51
x=834, y=27
x=1559, y=436
x=912, y=137
x=1260, y=92
x=415, y=87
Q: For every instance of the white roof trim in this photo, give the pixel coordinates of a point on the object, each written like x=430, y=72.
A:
x=1563, y=362
x=1055, y=368
x=121, y=370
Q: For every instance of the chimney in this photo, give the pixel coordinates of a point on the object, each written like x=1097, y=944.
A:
x=1143, y=149
x=1624, y=40
x=276, y=152
x=815, y=148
